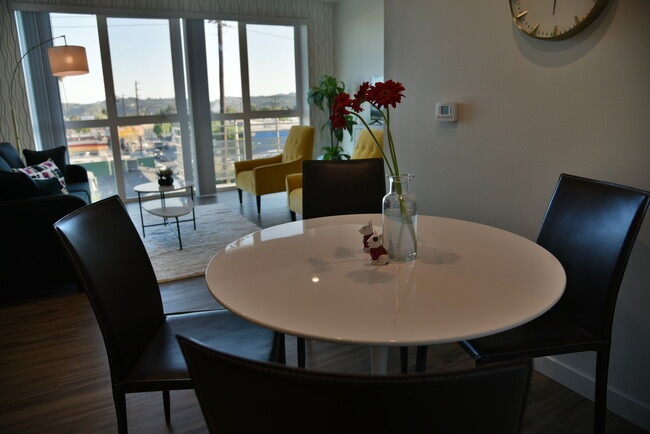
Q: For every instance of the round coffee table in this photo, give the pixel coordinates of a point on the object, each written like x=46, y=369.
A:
x=167, y=207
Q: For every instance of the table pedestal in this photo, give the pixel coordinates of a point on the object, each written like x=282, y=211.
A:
x=379, y=360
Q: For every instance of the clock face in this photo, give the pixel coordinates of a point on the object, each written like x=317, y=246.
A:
x=554, y=19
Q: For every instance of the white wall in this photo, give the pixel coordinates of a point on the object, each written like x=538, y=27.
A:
x=530, y=110
x=358, y=45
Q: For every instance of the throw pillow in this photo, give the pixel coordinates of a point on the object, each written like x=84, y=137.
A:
x=47, y=186
x=56, y=154
x=46, y=169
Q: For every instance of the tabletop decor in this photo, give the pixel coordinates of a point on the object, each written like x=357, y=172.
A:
x=399, y=205
x=165, y=176
x=378, y=253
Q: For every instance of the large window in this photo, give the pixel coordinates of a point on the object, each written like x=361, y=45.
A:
x=122, y=140
x=257, y=126
x=129, y=116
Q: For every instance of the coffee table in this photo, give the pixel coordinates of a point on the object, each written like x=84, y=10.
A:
x=311, y=279
x=165, y=207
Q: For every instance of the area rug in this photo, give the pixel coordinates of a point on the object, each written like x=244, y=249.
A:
x=216, y=227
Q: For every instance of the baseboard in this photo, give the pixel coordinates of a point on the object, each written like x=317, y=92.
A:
x=618, y=402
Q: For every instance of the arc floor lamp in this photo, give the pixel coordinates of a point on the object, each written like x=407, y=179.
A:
x=65, y=60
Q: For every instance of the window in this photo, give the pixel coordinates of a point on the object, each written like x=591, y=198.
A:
x=269, y=79
x=129, y=116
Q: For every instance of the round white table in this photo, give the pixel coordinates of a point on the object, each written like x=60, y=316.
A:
x=311, y=279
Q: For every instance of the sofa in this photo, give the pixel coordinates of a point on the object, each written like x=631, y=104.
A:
x=32, y=260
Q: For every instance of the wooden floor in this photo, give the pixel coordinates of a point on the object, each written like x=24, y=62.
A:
x=54, y=376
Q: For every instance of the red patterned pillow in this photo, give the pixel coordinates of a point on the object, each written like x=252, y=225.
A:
x=45, y=170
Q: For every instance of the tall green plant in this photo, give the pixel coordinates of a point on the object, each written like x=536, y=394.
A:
x=327, y=90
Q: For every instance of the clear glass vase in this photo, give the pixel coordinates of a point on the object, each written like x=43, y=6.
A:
x=400, y=219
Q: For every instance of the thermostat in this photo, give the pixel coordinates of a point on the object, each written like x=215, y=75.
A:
x=447, y=111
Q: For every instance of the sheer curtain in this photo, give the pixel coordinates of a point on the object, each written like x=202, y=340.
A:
x=43, y=88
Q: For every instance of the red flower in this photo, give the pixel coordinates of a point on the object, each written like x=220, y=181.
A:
x=385, y=94
x=338, y=121
x=339, y=109
x=341, y=101
x=363, y=91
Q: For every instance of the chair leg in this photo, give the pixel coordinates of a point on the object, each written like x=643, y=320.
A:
x=120, y=409
x=168, y=414
x=600, y=395
x=421, y=359
x=293, y=216
x=240, y=198
x=258, y=200
x=301, y=352
x=404, y=359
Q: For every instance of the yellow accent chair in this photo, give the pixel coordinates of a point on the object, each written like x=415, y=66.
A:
x=267, y=175
x=365, y=148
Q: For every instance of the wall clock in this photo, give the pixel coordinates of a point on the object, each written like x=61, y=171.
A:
x=554, y=19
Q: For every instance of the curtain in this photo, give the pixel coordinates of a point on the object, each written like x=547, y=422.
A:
x=43, y=88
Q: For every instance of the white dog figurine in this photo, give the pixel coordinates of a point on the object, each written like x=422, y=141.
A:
x=378, y=254
x=367, y=231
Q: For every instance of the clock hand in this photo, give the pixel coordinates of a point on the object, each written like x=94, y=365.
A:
x=554, y=6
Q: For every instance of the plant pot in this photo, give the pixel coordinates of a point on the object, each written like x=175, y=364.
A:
x=165, y=182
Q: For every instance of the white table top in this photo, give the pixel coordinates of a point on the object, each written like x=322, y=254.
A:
x=310, y=278
x=153, y=187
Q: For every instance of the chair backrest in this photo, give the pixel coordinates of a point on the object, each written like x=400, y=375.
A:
x=114, y=269
x=366, y=146
x=241, y=395
x=342, y=187
x=299, y=144
x=590, y=227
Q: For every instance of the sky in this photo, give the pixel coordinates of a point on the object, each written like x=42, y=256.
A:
x=140, y=53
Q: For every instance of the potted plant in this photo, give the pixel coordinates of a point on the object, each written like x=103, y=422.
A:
x=165, y=176
x=325, y=93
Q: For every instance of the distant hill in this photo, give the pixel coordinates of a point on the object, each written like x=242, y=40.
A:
x=149, y=106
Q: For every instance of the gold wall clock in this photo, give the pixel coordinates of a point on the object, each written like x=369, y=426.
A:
x=554, y=19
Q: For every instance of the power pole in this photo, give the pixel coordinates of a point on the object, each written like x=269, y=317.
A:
x=137, y=105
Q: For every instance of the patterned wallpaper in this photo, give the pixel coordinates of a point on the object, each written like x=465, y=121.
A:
x=318, y=15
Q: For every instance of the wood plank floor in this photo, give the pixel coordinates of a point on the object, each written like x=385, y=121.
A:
x=54, y=376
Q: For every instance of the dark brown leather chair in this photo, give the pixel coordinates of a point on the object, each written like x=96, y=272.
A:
x=340, y=187
x=245, y=396
x=590, y=226
x=143, y=354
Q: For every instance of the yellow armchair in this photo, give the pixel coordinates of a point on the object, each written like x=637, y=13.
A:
x=267, y=175
x=365, y=148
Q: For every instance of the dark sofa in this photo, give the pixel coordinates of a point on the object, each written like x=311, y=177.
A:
x=32, y=260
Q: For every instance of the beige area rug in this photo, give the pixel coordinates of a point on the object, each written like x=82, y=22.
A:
x=216, y=227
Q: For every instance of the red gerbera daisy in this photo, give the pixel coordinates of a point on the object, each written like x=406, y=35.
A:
x=341, y=102
x=385, y=94
x=363, y=91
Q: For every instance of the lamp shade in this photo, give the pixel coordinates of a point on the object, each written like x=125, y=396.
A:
x=67, y=60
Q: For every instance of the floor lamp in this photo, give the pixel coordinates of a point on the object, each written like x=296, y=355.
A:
x=65, y=60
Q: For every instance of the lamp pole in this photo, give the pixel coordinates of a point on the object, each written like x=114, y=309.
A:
x=70, y=60
x=11, y=88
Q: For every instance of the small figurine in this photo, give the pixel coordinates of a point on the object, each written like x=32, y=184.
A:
x=367, y=231
x=378, y=254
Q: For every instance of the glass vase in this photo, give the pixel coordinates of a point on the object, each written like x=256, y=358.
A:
x=400, y=219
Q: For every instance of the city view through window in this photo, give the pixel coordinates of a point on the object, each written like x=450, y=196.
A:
x=143, y=127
